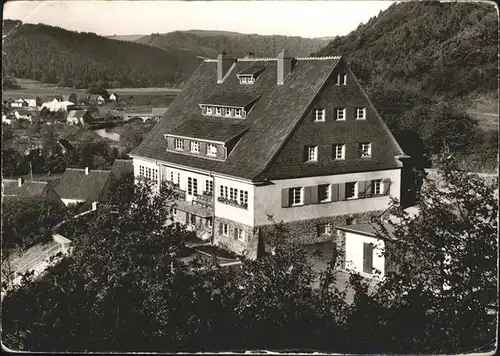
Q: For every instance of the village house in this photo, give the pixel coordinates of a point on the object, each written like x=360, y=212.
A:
x=23, y=115
x=56, y=105
x=113, y=97
x=81, y=117
x=19, y=189
x=255, y=140
x=65, y=146
x=19, y=103
x=83, y=186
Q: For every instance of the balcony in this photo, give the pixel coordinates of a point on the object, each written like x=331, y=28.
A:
x=205, y=199
x=232, y=202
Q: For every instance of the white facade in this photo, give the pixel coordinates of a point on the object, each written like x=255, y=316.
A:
x=267, y=198
x=354, y=253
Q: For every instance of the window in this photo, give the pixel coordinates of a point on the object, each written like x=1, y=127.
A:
x=192, y=186
x=209, y=110
x=324, y=193
x=339, y=151
x=360, y=113
x=172, y=176
x=323, y=229
x=297, y=196
x=377, y=186
x=341, y=79
x=209, y=222
x=237, y=112
x=179, y=144
x=209, y=186
x=228, y=112
x=340, y=114
x=211, y=150
x=178, y=178
x=367, y=257
x=225, y=229
x=233, y=193
x=319, y=114
x=243, y=197
x=141, y=171
x=218, y=111
x=247, y=79
x=174, y=211
x=365, y=149
x=351, y=190
x=240, y=234
x=223, y=193
x=192, y=219
x=195, y=147
x=312, y=153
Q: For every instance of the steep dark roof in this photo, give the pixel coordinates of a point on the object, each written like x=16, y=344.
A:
x=230, y=99
x=121, y=166
x=75, y=184
x=252, y=70
x=270, y=121
x=209, y=129
x=76, y=114
x=28, y=189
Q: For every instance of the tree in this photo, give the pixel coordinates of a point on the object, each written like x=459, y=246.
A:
x=49, y=137
x=446, y=260
x=116, y=84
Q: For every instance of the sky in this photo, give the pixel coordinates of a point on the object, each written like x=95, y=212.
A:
x=292, y=18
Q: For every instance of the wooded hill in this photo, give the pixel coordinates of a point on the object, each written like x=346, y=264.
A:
x=210, y=43
x=58, y=56
x=423, y=64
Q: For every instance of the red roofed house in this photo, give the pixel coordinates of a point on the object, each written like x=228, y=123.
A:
x=297, y=139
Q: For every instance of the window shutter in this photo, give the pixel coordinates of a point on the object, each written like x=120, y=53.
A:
x=367, y=258
x=314, y=194
x=235, y=233
x=341, y=191
x=285, y=198
x=361, y=189
x=387, y=186
x=307, y=195
x=220, y=229
x=368, y=188
x=335, y=192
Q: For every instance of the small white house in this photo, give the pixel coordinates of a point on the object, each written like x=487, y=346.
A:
x=113, y=97
x=19, y=103
x=23, y=116
x=5, y=120
x=364, y=249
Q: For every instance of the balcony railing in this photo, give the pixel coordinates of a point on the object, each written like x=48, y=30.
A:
x=204, y=199
x=232, y=202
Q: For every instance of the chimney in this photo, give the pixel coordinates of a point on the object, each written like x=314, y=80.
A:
x=284, y=66
x=223, y=65
x=249, y=55
x=86, y=171
x=20, y=182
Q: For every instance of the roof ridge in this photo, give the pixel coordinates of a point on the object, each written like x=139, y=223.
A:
x=317, y=58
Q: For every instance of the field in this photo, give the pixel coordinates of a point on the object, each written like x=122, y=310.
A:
x=32, y=88
x=485, y=110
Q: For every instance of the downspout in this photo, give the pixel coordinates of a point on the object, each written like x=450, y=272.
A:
x=213, y=210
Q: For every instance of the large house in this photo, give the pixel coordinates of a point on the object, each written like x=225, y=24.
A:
x=81, y=117
x=253, y=140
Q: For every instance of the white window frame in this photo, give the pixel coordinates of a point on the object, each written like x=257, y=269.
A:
x=209, y=186
x=341, y=79
x=209, y=223
x=327, y=230
x=361, y=111
x=243, y=197
x=293, y=195
x=328, y=191
x=195, y=147
x=211, y=150
x=380, y=184
x=319, y=115
x=240, y=235
x=356, y=192
x=362, y=146
x=176, y=144
x=237, y=112
x=193, y=187
x=218, y=111
x=338, y=112
x=209, y=110
x=312, y=153
x=227, y=112
x=336, y=148
x=225, y=229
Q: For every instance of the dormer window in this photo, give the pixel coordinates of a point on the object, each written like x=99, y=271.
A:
x=228, y=112
x=237, y=112
x=195, y=147
x=179, y=144
x=247, y=79
x=211, y=150
x=341, y=79
x=209, y=110
x=218, y=111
